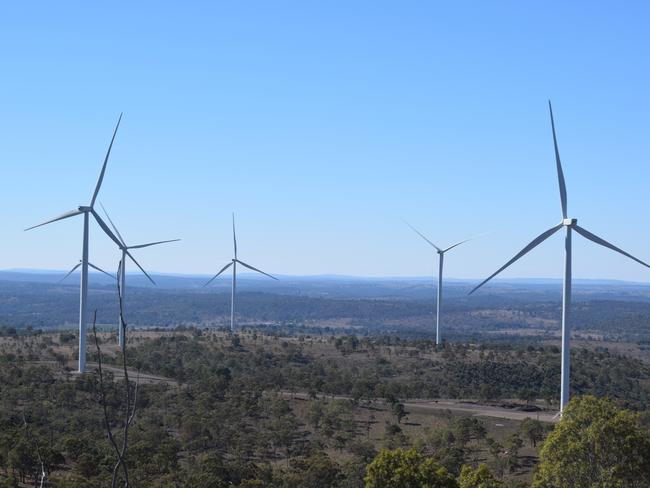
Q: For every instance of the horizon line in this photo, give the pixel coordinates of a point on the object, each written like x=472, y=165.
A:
x=28, y=271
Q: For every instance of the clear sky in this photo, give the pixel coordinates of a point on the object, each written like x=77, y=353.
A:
x=322, y=125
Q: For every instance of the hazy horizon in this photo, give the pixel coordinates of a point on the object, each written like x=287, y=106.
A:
x=256, y=276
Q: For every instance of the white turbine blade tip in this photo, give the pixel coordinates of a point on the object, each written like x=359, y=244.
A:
x=599, y=240
x=422, y=236
x=66, y=215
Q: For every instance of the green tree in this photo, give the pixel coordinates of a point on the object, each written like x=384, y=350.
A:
x=595, y=445
x=22, y=459
x=406, y=469
x=315, y=413
x=481, y=477
x=533, y=430
x=513, y=444
x=398, y=410
x=394, y=437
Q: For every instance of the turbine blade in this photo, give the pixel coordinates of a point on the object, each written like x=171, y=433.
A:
x=234, y=236
x=97, y=268
x=534, y=243
x=66, y=215
x=560, y=173
x=139, y=246
x=138, y=265
x=220, y=271
x=70, y=272
x=255, y=269
x=113, y=225
x=455, y=245
x=106, y=229
x=422, y=236
x=101, y=174
x=585, y=233
x=467, y=240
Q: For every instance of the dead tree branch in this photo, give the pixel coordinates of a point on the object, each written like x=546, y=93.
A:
x=131, y=403
x=102, y=393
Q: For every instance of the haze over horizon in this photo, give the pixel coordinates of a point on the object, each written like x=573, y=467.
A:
x=247, y=275
x=321, y=143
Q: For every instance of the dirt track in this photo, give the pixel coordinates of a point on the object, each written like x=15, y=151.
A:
x=457, y=406
x=144, y=377
x=480, y=410
x=423, y=405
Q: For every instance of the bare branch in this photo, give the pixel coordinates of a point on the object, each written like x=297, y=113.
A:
x=129, y=411
x=102, y=393
x=135, y=398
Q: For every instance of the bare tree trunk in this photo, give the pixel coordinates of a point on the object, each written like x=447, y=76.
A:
x=131, y=403
x=102, y=394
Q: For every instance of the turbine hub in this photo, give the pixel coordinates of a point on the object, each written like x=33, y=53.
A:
x=569, y=222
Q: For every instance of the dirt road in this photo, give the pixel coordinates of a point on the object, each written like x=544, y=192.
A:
x=473, y=409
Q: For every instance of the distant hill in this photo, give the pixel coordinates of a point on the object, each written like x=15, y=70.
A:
x=396, y=306
x=347, y=286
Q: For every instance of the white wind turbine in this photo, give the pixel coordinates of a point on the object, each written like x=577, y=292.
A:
x=233, y=263
x=122, y=271
x=86, y=211
x=570, y=225
x=441, y=258
x=90, y=265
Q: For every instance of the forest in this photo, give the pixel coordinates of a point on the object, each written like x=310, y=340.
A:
x=505, y=314
x=262, y=409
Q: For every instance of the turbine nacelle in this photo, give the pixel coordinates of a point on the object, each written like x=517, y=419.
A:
x=569, y=222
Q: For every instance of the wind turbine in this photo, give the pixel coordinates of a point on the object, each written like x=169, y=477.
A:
x=233, y=263
x=122, y=274
x=441, y=257
x=91, y=265
x=570, y=225
x=86, y=211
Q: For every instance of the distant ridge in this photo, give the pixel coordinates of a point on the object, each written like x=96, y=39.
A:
x=181, y=280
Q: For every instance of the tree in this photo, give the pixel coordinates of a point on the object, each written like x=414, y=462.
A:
x=513, y=444
x=315, y=413
x=319, y=471
x=527, y=394
x=533, y=430
x=337, y=422
x=394, y=437
x=480, y=477
x=397, y=409
x=21, y=459
x=595, y=445
x=406, y=469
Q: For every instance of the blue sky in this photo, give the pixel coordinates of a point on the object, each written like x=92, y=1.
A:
x=322, y=124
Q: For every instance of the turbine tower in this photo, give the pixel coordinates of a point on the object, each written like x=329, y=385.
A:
x=87, y=211
x=234, y=263
x=441, y=258
x=122, y=274
x=569, y=225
